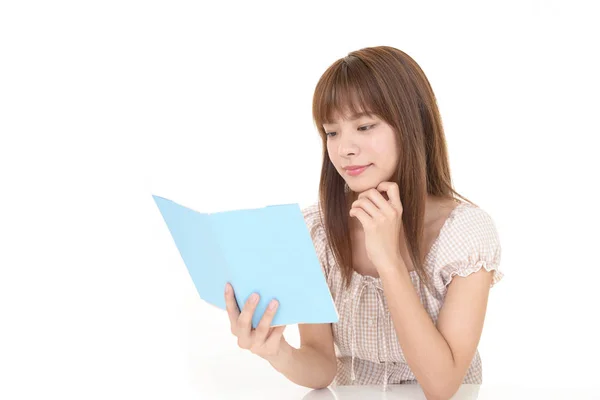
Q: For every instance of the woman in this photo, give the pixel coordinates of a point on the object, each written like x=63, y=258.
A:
x=409, y=266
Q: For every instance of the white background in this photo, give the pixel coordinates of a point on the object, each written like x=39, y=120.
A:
x=104, y=103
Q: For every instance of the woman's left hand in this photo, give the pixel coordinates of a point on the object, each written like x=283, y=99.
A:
x=382, y=222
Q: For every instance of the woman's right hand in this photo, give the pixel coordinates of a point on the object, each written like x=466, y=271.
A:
x=264, y=341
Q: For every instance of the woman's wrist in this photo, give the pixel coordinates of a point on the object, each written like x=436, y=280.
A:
x=283, y=357
x=305, y=366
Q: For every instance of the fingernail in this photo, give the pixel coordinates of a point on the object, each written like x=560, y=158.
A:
x=254, y=298
x=273, y=305
x=227, y=289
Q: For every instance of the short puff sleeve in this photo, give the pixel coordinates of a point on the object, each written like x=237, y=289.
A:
x=312, y=218
x=473, y=243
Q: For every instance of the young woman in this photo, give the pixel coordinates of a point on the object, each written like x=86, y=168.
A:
x=408, y=264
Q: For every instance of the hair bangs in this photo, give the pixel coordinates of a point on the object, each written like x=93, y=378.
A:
x=347, y=88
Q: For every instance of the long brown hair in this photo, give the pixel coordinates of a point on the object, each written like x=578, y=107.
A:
x=388, y=83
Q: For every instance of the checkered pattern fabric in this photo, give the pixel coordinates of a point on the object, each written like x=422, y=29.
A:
x=366, y=345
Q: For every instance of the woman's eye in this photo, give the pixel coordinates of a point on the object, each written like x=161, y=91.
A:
x=360, y=128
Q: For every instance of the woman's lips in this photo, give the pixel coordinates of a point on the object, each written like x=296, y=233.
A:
x=357, y=171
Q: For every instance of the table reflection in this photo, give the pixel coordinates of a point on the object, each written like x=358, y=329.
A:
x=404, y=392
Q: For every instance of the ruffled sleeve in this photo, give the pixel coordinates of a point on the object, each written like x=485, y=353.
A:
x=473, y=244
x=317, y=233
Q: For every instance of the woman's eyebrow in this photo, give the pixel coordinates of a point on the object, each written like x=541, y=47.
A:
x=353, y=117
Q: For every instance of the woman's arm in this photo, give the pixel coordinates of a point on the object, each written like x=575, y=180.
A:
x=439, y=356
x=314, y=364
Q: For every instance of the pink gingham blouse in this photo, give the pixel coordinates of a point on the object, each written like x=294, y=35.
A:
x=366, y=345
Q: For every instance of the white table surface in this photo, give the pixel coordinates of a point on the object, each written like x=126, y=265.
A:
x=466, y=392
x=404, y=392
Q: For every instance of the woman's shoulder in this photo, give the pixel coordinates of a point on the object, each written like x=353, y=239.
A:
x=473, y=221
x=312, y=216
x=314, y=222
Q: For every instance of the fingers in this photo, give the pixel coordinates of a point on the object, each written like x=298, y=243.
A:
x=362, y=216
x=379, y=204
x=368, y=205
x=393, y=193
x=244, y=322
x=264, y=341
x=264, y=326
x=376, y=197
x=232, y=308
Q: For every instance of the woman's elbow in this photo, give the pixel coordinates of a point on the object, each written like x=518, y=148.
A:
x=441, y=392
x=324, y=384
x=328, y=376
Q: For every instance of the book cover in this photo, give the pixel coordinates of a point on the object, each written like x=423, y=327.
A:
x=266, y=250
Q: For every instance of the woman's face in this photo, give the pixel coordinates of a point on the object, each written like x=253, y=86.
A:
x=362, y=140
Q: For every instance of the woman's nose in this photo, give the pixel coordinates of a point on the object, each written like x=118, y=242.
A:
x=347, y=146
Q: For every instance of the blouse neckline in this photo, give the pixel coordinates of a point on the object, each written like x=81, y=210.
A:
x=427, y=257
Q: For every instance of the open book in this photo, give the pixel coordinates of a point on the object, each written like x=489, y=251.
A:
x=265, y=250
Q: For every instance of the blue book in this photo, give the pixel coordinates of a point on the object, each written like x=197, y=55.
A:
x=265, y=250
